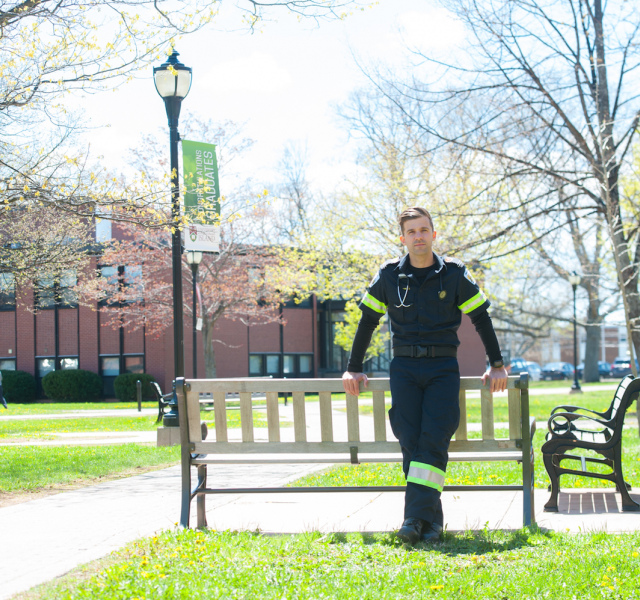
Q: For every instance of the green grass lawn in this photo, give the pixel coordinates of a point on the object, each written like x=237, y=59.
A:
x=24, y=468
x=46, y=408
x=526, y=564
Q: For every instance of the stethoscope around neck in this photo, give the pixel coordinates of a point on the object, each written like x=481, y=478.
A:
x=406, y=291
x=442, y=294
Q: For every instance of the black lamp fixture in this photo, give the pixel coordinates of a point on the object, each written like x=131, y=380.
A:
x=173, y=82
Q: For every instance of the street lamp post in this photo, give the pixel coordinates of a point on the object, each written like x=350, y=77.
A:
x=194, y=257
x=173, y=81
x=574, y=280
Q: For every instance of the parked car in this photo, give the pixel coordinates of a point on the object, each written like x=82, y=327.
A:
x=621, y=367
x=604, y=369
x=520, y=365
x=535, y=370
x=557, y=370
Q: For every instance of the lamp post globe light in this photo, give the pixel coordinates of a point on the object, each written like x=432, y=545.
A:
x=574, y=280
x=194, y=258
x=173, y=81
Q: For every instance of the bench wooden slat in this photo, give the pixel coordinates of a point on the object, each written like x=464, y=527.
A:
x=220, y=414
x=326, y=417
x=195, y=431
x=486, y=411
x=379, y=417
x=246, y=416
x=515, y=414
x=299, y=417
x=273, y=417
x=353, y=420
x=388, y=448
x=256, y=385
x=461, y=432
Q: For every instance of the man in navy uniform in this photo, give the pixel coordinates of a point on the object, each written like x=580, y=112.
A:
x=424, y=296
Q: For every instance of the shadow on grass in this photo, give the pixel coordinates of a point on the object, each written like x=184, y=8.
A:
x=453, y=544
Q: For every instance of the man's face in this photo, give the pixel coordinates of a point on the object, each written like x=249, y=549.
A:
x=418, y=236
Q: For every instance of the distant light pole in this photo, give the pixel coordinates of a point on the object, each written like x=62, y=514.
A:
x=194, y=258
x=574, y=280
x=173, y=81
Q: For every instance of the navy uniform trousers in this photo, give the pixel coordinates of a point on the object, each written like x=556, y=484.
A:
x=424, y=415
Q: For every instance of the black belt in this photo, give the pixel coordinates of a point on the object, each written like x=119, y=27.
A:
x=425, y=351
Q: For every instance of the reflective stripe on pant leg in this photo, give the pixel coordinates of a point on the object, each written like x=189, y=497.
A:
x=426, y=475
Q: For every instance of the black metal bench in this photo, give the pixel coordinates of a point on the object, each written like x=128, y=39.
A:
x=574, y=428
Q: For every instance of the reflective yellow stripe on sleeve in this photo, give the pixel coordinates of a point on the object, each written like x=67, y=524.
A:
x=373, y=303
x=478, y=300
x=424, y=474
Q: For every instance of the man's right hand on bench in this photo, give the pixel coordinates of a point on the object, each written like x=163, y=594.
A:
x=351, y=382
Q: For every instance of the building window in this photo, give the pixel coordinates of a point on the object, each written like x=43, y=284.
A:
x=255, y=365
x=297, y=303
x=7, y=364
x=110, y=366
x=119, y=278
x=293, y=365
x=7, y=291
x=68, y=363
x=57, y=291
x=134, y=364
x=263, y=365
x=133, y=281
x=45, y=366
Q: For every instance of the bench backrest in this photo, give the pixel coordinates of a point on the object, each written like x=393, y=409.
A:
x=626, y=393
x=245, y=440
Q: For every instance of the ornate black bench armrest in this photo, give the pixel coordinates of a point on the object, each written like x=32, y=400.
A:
x=574, y=409
x=162, y=400
x=562, y=423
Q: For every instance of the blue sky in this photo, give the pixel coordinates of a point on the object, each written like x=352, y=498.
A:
x=282, y=82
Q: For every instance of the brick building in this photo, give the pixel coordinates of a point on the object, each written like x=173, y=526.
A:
x=61, y=334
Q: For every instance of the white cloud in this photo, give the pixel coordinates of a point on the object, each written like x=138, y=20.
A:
x=435, y=29
x=257, y=72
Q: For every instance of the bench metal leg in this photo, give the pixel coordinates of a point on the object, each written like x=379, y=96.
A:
x=185, y=507
x=552, y=503
x=201, y=498
x=528, y=482
x=628, y=505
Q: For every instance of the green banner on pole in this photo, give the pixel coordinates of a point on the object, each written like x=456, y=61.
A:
x=202, y=196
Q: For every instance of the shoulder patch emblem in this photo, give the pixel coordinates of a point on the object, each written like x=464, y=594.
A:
x=469, y=276
x=389, y=263
x=453, y=261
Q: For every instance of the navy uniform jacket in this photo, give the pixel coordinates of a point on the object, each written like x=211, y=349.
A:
x=432, y=313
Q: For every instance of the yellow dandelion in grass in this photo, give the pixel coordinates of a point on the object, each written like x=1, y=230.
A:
x=437, y=587
x=611, y=568
x=635, y=554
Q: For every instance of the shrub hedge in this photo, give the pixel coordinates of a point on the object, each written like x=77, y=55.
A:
x=125, y=386
x=72, y=385
x=18, y=386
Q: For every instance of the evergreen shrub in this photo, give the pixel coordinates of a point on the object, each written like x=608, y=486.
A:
x=125, y=386
x=18, y=386
x=72, y=385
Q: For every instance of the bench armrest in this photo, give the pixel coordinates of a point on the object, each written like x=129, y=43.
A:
x=562, y=423
x=573, y=409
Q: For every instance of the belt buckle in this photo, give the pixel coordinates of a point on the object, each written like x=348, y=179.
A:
x=422, y=351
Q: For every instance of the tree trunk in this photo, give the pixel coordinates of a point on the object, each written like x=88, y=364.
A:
x=607, y=173
x=591, y=353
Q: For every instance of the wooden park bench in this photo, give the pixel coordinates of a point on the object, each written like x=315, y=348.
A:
x=284, y=443
x=572, y=428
